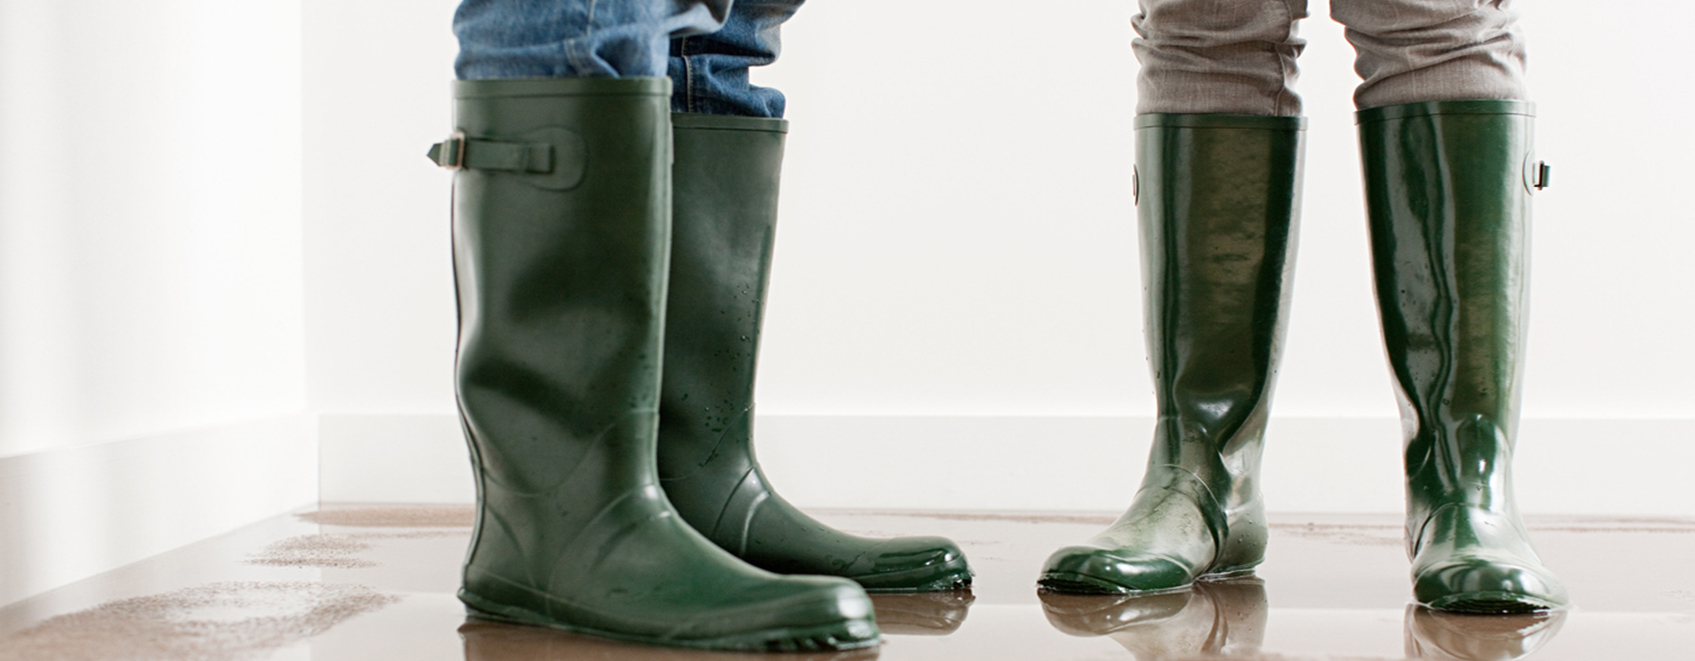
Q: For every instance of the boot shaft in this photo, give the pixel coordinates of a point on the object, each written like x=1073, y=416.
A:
x=562, y=234
x=1448, y=189
x=560, y=262
x=1218, y=198
x=725, y=185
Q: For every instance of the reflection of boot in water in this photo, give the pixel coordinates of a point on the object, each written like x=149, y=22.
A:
x=492, y=641
x=1433, y=634
x=1213, y=618
x=922, y=613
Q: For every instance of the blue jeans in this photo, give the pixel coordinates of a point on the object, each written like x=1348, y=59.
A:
x=705, y=46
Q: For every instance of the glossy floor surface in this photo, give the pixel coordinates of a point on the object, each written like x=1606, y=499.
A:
x=371, y=583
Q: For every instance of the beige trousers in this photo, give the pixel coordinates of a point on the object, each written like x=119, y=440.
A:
x=1238, y=56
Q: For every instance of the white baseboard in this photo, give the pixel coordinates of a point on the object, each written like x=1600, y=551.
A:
x=394, y=458
x=1346, y=465
x=69, y=514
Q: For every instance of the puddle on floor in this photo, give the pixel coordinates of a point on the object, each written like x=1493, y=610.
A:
x=335, y=551
x=369, y=582
x=418, y=516
x=215, y=622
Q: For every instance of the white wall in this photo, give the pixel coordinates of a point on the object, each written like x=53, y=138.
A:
x=379, y=291
x=958, y=235
x=958, y=239
x=152, y=369
x=216, y=223
x=150, y=261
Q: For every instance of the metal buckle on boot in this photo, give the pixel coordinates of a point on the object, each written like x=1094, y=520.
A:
x=1535, y=174
x=450, y=153
x=457, y=141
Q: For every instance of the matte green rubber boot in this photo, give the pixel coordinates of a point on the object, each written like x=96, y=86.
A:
x=1448, y=189
x=1217, y=203
x=725, y=187
x=561, y=226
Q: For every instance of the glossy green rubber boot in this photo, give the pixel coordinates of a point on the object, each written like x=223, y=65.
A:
x=1217, y=203
x=725, y=186
x=561, y=228
x=1448, y=188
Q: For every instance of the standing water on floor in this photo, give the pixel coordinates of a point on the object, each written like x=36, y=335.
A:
x=372, y=583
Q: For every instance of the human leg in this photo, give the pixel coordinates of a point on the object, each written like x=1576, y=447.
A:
x=1218, y=57
x=575, y=38
x=1410, y=51
x=1218, y=202
x=1448, y=189
x=562, y=238
x=725, y=185
x=709, y=72
x=1445, y=140
x=1219, y=191
x=725, y=209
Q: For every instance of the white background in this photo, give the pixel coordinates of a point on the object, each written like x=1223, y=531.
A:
x=221, y=248
x=214, y=213
x=150, y=218
x=957, y=234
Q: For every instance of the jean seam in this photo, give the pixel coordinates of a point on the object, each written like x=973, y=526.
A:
x=688, y=77
x=571, y=55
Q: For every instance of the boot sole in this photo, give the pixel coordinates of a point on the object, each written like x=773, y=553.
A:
x=1494, y=603
x=835, y=636
x=955, y=575
x=1074, y=583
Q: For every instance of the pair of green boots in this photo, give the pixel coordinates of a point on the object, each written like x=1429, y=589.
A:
x=609, y=313
x=1447, y=190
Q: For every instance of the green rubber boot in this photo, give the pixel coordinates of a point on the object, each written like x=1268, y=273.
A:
x=725, y=209
x=561, y=227
x=1448, y=189
x=1217, y=203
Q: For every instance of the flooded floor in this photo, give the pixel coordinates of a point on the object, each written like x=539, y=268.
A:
x=371, y=583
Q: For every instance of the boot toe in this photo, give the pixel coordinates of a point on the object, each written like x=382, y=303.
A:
x=913, y=564
x=789, y=614
x=1093, y=570
x=1479, y=584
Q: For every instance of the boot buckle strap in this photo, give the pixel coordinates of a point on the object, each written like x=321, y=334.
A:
x=459, y=152
x=450, y=153
x=550, y=158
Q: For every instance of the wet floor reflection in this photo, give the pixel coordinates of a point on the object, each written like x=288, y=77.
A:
x=388, y=593
x=1213, y=619
x=922, y=613
x=1458, y=637
x=493, y=641
x=1228, y=619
